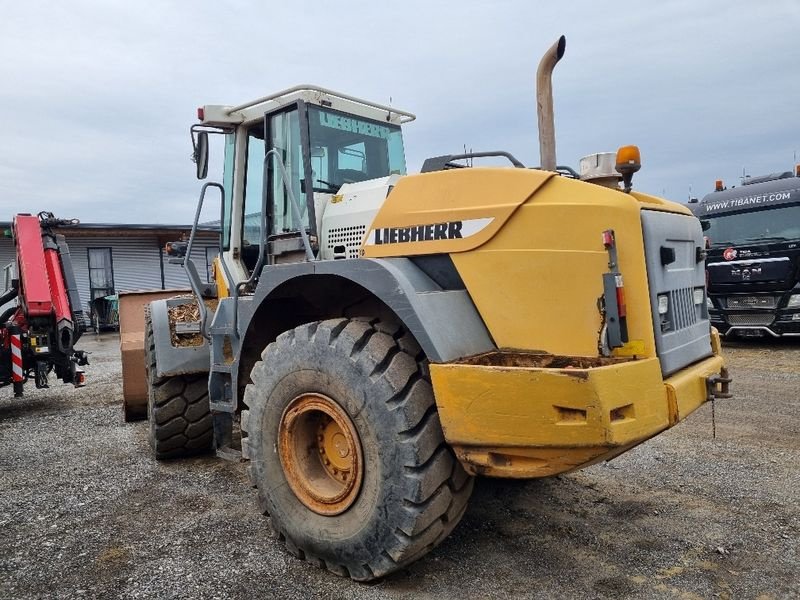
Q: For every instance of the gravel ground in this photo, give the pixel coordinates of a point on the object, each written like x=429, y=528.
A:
x=85, y=511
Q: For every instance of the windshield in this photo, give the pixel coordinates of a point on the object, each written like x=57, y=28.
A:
x=771, y=225
x=348, y=149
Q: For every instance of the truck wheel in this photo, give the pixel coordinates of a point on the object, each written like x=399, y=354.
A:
x=346, y=448
x=177, y=409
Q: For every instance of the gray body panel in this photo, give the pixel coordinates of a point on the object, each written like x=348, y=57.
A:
x=686, y=338
x=172, y=360
x=445, y=322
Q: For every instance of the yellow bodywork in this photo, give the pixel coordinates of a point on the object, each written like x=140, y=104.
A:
x=218, y=274
x=454, y=195
x=534, y=422
x=534, y=273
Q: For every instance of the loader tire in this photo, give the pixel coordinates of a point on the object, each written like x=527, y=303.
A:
x=346, y=448
x=177, y=409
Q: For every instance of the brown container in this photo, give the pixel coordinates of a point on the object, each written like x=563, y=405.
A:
x=131, y=345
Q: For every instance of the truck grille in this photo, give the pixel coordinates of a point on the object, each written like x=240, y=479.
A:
x=754, y=320
x=751, y=302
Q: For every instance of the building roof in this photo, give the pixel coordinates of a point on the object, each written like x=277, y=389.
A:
x=130, y=229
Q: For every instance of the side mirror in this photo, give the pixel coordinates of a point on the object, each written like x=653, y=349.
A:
x=200, y=156
x=705, y=224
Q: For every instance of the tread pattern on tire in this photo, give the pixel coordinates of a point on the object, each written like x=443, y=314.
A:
x=435, y=488
x=178, y=413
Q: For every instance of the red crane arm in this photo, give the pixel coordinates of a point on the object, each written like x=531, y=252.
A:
x=35, y=296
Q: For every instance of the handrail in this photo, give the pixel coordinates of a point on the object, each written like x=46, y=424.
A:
x=192, y=275
x=440, y=163
x=295, y=205
x=408, y=117
x=263, y=222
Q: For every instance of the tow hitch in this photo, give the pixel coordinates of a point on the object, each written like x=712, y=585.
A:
x=718, y=386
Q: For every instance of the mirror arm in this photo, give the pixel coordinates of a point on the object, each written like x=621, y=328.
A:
x=198, y=128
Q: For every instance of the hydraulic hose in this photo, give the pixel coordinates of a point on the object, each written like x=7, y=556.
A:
x=8, y=296
x=6, y=315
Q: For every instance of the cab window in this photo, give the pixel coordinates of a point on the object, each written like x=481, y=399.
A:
x=227, y=183
x=348, y=149
x=284, y=131
x=253, y=187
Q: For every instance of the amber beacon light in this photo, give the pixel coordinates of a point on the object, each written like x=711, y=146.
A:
x=629, y=160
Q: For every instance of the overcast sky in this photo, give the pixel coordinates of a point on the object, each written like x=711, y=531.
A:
x=96, y=98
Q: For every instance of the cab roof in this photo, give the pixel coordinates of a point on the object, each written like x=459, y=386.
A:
x=226, y=116
x=753, y=196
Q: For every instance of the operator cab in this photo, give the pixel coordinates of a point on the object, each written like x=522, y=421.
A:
x=322, y=139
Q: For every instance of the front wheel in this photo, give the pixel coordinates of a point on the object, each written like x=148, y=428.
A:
x=177, y=409
x=346, y=448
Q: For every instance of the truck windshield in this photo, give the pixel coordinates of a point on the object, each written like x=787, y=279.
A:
x=771, y=225
x=347, y=149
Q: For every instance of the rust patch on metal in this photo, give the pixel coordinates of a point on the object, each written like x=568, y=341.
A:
x=499, y=460
x=581, y=374
x=227, y=351
x=535, y=360
x=320, y=452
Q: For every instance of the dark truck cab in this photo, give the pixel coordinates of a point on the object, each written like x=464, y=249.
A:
x=753, y=256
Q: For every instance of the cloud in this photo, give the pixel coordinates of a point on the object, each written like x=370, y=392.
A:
x=97, y=97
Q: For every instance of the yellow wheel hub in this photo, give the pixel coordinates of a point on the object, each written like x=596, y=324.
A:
x=320, y=453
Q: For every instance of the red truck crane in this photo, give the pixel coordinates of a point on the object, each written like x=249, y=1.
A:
x=39, y=331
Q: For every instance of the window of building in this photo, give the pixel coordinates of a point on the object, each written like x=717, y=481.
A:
x=101, y=272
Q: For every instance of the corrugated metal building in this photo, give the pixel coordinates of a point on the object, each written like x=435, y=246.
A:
x=113, y=258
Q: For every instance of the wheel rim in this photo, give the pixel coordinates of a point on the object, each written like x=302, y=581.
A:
x=320, y=453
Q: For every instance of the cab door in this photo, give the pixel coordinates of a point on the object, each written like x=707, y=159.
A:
x=286, y=132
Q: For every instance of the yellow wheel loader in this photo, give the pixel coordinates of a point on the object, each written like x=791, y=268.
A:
x=385, y=337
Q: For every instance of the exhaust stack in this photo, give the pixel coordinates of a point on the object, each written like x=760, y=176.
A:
x=544, y=102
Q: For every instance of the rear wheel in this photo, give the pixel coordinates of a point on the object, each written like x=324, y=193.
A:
x=346, y=448
x=177, y=408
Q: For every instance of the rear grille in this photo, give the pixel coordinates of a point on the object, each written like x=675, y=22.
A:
x=754, y=320
x=684, y=311
x=751, y=302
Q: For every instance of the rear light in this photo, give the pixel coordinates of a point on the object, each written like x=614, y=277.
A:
x=663, y=304
x=621, y=297
x=201, y=114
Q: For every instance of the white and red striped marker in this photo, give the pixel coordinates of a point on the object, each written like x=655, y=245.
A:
x=16, y=358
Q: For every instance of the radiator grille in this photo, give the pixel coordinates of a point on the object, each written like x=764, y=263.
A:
x=349, y=237
x=684, y=312
x=751, y=302
x=751, y=319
